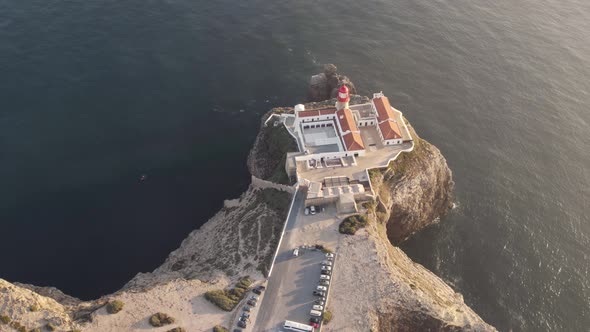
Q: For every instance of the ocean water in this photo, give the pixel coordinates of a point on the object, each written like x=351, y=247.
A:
x=96, y=95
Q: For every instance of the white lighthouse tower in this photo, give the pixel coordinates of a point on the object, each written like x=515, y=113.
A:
x=343, y=98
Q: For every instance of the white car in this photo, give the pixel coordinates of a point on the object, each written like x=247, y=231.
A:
x=317, y=307
x=315, y=313
x=321, y=288
x=312, y=209
x=326, y=263
x=327, y=268
x=324, y=277
x=296, y=252
x=329, y=255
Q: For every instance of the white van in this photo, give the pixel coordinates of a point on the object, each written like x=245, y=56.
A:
x=324, y=277
x=315, y=313
x=317, y=307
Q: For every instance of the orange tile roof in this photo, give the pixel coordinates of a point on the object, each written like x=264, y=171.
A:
x=304, y=114
x=383, y=107
x=353, y=141
x=390, y=130
x=327, y=111
x=346, y=120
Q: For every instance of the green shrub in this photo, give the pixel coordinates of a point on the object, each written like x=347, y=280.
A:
x=50, y=327
x=4, y=319
x=114, y=307
x=36, y=330
x=353, y=223
x=160, y=319
x=34, y=307
x=327, y=315
x=178, y=329
x=244, y=283
x=75, y=331
x=219, y=328
x=22, y=329
x=227, y=299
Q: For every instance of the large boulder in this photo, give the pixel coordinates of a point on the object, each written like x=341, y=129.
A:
x=325, y=85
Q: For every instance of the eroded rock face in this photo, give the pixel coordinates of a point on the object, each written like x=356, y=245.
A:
x=325, y=85
x=415, y=191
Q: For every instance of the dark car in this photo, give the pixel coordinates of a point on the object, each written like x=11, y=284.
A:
x=326, y=272
x=256, y=291
x=238, y=330
x=319, y=293
x=319, y=301
x=242, y=324
x=245, y=314
x=251, y=303
x=246, y=308
x=243, y=319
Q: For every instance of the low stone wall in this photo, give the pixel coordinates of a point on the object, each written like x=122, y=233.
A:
x=259, y=183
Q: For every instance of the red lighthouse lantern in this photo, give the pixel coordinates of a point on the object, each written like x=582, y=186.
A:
x=343, y=96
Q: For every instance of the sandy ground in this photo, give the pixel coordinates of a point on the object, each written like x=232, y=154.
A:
x=180, y=299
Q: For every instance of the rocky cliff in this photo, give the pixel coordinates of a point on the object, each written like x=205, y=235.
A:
x=414, y=191
x=390, y=292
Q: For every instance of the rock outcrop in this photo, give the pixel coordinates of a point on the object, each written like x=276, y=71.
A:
x=414, y=191
x=325, y=85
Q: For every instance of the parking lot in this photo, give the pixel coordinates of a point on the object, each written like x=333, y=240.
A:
x=289, y=295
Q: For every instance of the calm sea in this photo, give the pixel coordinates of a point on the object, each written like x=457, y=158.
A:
x=124, y=125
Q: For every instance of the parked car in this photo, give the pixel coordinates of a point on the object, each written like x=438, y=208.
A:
x=329, y=255
x=324, y=277
x=329, y=263
x=243, y=319
x=306, y=211
x=312, y=209
x=325, y=267
x=326, y=272
x=246, y=308
x=254, y=297
x=324, y=283
x=245, y=314
x=258, y=290
x=321, y=288
x=319, y=301
x=315, y=322
x=296, y=252
x=251, y=303
x=238, y=330
x=319, y=293
x=242, y=324
x=314, y=313
x=317, y=307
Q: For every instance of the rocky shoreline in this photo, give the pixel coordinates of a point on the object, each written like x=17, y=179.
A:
x=395, y=293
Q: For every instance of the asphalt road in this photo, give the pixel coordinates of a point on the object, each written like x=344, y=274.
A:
x=293, y=279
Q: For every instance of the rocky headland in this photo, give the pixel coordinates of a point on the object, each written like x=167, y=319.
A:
x=378, y=289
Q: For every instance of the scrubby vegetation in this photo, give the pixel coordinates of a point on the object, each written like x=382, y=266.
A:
x=324, y=249
x=4, y=319
x=352, y=224
x=178, y=329
x=227, y=299
x=36, y=330
x=114, y=307
x=327, y=315
x=277, y=200
x=160, y=319
x=34, y=307
x=50, y=327
x=219, y=328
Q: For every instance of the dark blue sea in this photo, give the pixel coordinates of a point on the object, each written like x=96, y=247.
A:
x=125, y=124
